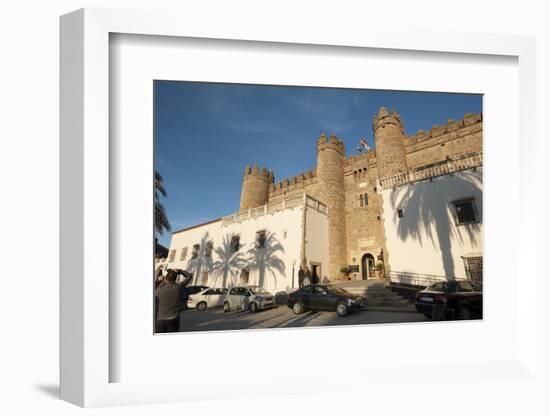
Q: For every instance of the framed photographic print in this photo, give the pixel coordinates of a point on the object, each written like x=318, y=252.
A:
x=383, y=227
x=293, y=195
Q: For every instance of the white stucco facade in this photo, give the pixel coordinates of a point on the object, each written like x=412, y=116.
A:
x=274, y=266
x=427, y=241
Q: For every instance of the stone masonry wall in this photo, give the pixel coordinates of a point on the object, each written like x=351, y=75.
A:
x=454, y=139
x=255, y=187
x=364, y=228
x=330, y=171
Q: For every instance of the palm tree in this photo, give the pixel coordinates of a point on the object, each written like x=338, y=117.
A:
x=264, y=258
x=161, y=220
x=202, y=259
x=431, y=214
x=229, y=261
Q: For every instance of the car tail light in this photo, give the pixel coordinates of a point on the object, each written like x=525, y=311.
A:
x=441, y=298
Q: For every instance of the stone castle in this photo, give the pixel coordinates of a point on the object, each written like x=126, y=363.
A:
x=351, y=186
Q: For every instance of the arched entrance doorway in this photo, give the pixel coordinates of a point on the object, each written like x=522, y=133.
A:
x=367, y=267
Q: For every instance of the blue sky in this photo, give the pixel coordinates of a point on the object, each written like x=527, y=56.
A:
x=206, y=133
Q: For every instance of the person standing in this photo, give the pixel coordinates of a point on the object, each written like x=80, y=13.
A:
x=168, y=304
x=301, y=275
x=308, y=276
x=314, y=277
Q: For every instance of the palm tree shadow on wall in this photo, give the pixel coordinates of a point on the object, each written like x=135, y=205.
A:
x=428, y=212
x=265, y=260
x=203, y=261
x=229, y=261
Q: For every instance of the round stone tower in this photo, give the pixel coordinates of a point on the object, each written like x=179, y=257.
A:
x=330, y=173
x=255, y=187
x=389, y=139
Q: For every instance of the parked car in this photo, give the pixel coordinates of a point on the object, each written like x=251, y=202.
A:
x=453, y=299
x=324, y=298
x=186, y=291
x=251, y=298
x=208, y=298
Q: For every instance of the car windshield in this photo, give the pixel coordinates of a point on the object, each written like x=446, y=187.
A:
x=256, y=290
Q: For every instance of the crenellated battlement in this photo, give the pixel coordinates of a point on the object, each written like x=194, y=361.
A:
x=255, y=186
x=259, y=173
x=385, y=118
x=369, y=157
x=451, y=126
x=294, y=182
x=332, y=142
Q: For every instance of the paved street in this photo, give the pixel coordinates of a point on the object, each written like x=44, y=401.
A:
x=283, y=317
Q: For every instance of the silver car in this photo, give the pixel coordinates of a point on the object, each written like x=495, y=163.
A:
x=251, y=298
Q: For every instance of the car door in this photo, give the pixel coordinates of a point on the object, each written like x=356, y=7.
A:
x=322, y=299
x=470, y=296
x=306, y=294
x=207, y=297
x=245, y=299
x=214, y=297
x=234, y=297
x=217, y=298
x=315, y=301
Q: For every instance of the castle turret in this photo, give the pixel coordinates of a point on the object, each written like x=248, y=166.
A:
x=389, y=140
x=255, y=187
x=330, y=172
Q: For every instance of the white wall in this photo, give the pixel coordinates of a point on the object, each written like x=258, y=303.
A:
x=426, y=240
x=274, y=272
x=317, y=240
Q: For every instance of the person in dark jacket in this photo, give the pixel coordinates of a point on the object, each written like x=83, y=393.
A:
x=301, y=275
x=168, y=304
x=314, y=277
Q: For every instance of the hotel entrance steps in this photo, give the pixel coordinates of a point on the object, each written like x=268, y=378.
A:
x=379, y=297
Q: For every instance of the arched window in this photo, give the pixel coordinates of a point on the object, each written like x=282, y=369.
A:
x=361, y=200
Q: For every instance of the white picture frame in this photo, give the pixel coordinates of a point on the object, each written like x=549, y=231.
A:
x=85, y=202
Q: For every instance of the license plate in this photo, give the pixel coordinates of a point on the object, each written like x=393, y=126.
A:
x=426, y=299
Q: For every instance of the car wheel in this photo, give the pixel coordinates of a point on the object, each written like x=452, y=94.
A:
x=297, y=308
x=201, y=306
x=252, y=308
x=428, y=315
x=341, y=309
x=463, y=312
x=226, y=307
